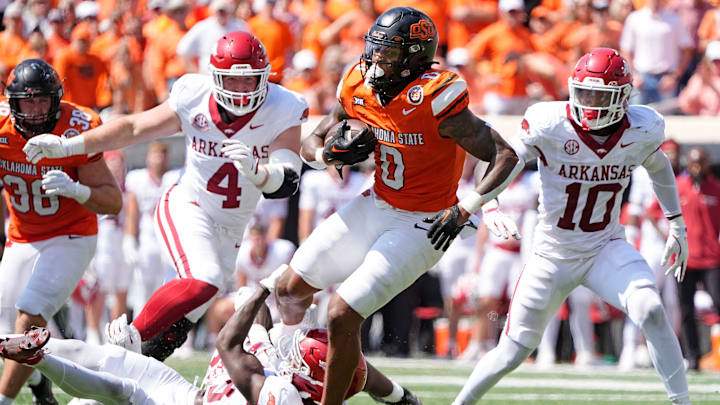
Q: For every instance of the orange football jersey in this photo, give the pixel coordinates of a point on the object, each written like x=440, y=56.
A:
x=35, y=216
x=415, y=168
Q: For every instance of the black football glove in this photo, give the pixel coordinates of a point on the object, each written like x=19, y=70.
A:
x=351, y=151
x=444, y=227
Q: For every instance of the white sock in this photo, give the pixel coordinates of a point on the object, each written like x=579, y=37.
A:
x=34, y=378
x=645, y=309
x=496, y=363
x=5, y=400
x=396, y=394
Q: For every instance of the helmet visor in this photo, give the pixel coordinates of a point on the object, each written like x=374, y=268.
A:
x=593, y=97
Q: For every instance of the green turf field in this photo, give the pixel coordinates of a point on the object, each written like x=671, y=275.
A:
x=437, y=381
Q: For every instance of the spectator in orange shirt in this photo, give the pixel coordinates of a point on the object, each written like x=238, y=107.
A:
x=303, y=80
x=276, y=37
x=35, y=48
x=314, y=22
x=468, y=17
x=80, y=69
x=604, y=32
x=701, y=96
x=87, y=12
x=126, y=82
x=11, y=40
x=503, y=44
x=348, y=29
x=56, y=38
x=166, y=66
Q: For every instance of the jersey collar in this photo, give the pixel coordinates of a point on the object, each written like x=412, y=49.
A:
x=601, y=150
x=228, y=129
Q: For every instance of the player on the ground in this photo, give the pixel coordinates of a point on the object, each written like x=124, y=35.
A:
x=53, y=205
x=587, y=149
x=242, y=136
x=378, y=244
x=246, y=368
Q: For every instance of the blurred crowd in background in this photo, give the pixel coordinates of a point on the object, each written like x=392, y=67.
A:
x=124, y=55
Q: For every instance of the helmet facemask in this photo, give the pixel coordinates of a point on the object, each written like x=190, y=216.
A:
x=235, y=102
x=30, y=125
x=388, y=66
x=595, y=105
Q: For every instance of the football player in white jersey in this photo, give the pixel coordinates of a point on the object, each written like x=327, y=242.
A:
x=246, y=368
x=242, y=136
x=587, y=149
x=140, y=245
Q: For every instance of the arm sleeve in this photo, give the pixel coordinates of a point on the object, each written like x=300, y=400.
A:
x=663, y=180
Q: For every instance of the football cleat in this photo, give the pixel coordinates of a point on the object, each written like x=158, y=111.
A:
x=120, y=333
x=25, y=348
x=408, y=398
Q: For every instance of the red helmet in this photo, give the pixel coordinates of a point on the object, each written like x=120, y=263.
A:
x=600, y=86
x=239, y=53
x=306, y=363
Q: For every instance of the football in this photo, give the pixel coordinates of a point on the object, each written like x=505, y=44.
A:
x=356, y=128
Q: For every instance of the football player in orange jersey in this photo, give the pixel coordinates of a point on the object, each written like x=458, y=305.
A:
x=53, y=205
x=377, y=245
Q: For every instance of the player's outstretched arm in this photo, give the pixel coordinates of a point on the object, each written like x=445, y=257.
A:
x=157, y=122
x=244, y=369
x=663, y=179
x=311, y=150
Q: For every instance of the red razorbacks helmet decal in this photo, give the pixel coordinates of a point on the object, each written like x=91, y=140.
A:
x=599, y=87
x=239, y=54
x=305, y=363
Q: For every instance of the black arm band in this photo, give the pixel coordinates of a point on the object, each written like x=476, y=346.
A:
x=289, y=186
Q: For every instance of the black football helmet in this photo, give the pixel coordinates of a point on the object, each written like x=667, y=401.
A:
x=399, y=47
x=34, y=78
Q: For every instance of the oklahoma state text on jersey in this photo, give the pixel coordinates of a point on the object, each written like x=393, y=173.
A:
x=35, y=216
x=416, y=168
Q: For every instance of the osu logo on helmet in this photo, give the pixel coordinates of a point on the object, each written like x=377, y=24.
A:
x=422, y=30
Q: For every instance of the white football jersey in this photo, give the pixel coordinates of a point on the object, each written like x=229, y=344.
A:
x=319, y=191
x=148, y=191
x=220, y=388
x=583, y=180
x=210, y=180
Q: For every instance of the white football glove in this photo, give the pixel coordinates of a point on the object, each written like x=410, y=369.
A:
x=52, y=147
x=244, y=161
x=271, y=281
x=497, y=222
x=676, y=245
x=130, y=251
x=120, y=333
x=57, y=182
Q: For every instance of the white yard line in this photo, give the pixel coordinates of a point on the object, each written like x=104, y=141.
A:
x=557, y=383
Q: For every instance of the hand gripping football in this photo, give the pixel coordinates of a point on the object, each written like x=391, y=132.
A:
x=348, y=142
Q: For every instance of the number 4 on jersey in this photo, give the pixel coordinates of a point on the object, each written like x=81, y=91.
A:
x=231, y=192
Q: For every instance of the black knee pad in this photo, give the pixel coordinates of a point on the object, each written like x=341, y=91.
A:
x=164, y=344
